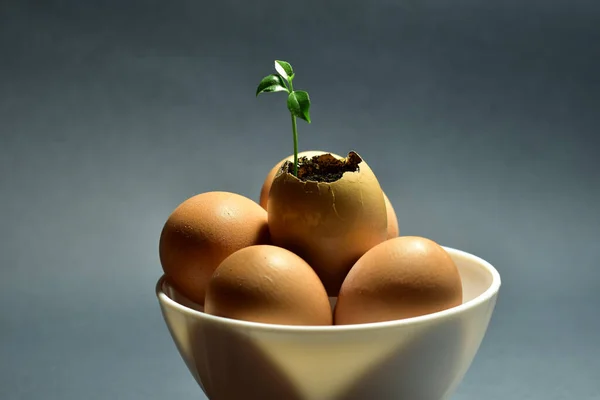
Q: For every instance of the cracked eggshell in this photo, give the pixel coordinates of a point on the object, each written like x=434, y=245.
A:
x=329, y=224
x=266, y=187
x=392, y=219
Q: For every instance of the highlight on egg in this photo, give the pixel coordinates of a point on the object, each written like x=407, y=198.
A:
x=329, y=215
x=268, y=284
x=202, y=231
x=404, y=277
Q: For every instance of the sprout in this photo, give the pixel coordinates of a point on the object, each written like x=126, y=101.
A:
x=298, y=102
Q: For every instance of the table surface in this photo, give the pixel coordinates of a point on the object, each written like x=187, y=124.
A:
x=480, y=120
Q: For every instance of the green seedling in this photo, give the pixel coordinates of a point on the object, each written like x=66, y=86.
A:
x=298, y=102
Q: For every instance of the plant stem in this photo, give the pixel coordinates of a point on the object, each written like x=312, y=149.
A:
x=295, y=133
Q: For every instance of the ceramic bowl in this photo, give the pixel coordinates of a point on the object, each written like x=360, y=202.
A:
x=421, y=358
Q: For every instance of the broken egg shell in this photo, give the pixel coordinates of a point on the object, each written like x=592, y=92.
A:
x=329, y=224
x=392, y=219
x=268, y=284
x=266, y=187
x=202, y=231
x=404, y=277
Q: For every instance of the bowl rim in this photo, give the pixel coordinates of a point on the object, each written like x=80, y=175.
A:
x=490, y=292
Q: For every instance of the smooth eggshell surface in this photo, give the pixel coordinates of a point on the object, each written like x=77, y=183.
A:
x=400, y=278
x=268, y=284
x=202, y=231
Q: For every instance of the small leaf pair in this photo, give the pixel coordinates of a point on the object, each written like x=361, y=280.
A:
x=298, y=101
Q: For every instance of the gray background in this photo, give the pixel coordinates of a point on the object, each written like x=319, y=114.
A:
x=480, y=119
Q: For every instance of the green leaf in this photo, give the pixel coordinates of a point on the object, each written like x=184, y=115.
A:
x=298, y=103
x=284, y=69
x=271, y=83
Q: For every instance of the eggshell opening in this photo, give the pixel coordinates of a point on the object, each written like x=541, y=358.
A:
x=393, y=226
x=266, y=187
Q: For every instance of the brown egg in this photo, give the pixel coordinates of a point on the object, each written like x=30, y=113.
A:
x=268, y=284
x=328, y=223
x=202, y=231
x=400, y=278
x=392, y=220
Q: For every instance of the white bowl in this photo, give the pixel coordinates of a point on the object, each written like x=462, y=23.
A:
x=422, y=358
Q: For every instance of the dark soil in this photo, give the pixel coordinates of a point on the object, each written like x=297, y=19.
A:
x=324, y=168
